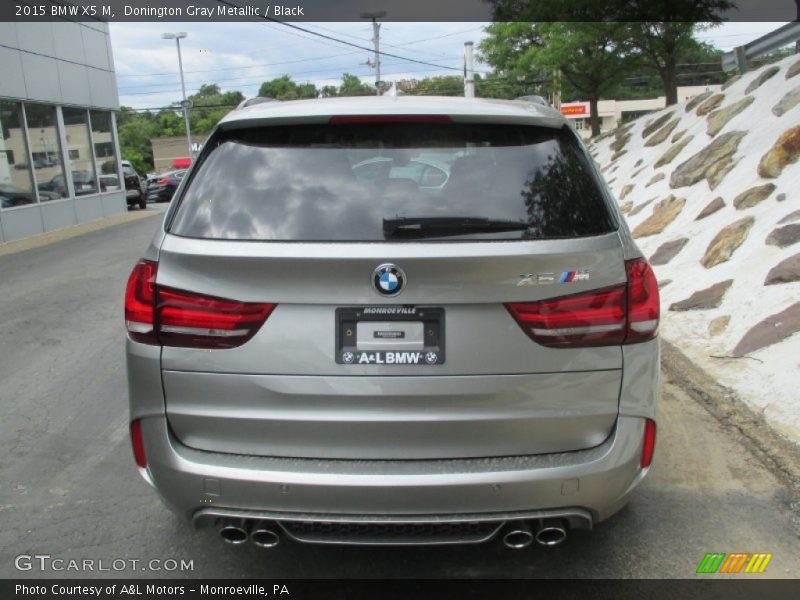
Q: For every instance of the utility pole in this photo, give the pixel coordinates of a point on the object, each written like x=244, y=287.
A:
x=185, y=104
x=376, y=40
x=556, y=89
x=469, y=77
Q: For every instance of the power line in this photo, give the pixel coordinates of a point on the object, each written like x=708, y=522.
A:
x=303, y=60
x=246, y=85
x=257, y=66
x=325, y=70
x=345, y=42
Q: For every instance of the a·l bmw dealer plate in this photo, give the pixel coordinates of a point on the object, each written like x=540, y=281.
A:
x=390, y=335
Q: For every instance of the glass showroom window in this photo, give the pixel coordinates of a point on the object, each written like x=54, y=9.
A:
x=46, y=150
x=104, y=150
x=79, y=151
x=16, y=183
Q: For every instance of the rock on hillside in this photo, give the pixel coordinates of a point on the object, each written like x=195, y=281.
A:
x=711, y=192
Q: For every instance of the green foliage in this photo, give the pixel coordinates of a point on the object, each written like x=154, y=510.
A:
x=591, y=56
x=284, y=88
x=135, y=132
x=447, y=85
x=210, y=104
x=656, y=36
x=352, y=86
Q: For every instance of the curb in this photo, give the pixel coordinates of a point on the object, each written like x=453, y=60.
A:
x=51, y=237
x=776, y=452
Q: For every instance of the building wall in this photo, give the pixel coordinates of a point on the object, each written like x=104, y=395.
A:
x=612, y=112
x=57, y=93
x=167, y=149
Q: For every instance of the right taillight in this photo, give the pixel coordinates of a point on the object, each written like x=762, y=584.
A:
x=169, y=317
x=624, y=314
x=643, y=302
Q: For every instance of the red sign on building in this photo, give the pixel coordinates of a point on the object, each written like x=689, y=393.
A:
x=573, y=109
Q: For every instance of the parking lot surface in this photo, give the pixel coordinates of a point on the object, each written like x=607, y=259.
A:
x=69, y=488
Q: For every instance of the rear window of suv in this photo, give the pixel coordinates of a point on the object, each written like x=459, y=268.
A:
x=345, y=182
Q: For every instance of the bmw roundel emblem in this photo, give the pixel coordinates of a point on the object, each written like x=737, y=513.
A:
x=388, y=279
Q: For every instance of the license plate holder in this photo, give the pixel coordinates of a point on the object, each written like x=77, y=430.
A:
x=390, y=335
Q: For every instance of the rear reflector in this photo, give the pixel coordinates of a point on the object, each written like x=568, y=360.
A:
x=354, y=119
x=649, y=445
x=624, y=314
x=169, y=317
x=138, y=444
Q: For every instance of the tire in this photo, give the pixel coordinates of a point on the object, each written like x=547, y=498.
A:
x=142, y=201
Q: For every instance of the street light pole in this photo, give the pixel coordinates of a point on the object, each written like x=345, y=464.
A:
x=376, y=40
x=185, y=103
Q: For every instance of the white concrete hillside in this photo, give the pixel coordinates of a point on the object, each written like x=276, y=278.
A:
x=711, y=190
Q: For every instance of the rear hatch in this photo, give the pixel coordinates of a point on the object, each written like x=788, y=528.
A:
x=385, y=317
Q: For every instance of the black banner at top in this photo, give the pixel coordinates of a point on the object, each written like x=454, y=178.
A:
x=399, y=10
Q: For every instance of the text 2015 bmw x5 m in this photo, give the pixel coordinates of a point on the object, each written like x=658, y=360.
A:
x=393, y=321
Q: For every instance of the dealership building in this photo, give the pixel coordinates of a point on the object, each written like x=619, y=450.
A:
x=59, y=152
x=172, y=152
x=613, y=113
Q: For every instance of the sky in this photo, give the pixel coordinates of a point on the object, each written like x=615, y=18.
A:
x=240, y=56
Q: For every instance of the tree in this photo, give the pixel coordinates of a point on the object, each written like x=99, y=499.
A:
x=329, y=91
x=135, y=131
x=210, y=104
x=353, y=86
x=284, y=88
x=446, y=85
x=660, y=32
x=591, y=56
x=661, y=45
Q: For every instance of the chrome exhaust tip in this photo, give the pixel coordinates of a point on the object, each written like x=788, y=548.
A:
x=518, y=536
x=264, y=536
x=551, y=532
x=234, y=532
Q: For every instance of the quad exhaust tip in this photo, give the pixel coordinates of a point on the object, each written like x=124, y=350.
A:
x=234, y=532
x=549, y=532
x=518, y=537
x=264, y=536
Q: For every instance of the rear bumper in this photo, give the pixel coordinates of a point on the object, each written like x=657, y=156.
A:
x=195, y=483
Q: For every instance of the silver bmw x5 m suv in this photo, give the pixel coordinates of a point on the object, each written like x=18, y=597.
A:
x=454, y=341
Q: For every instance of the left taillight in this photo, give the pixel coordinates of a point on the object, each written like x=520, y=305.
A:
x=192, y=320
x=164, y=316
x=140, y=302
x=137, y=442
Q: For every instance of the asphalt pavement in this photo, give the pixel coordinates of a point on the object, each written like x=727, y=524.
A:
x=69, y=488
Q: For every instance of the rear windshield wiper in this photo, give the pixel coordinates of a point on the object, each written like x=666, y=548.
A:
x=423, y=226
